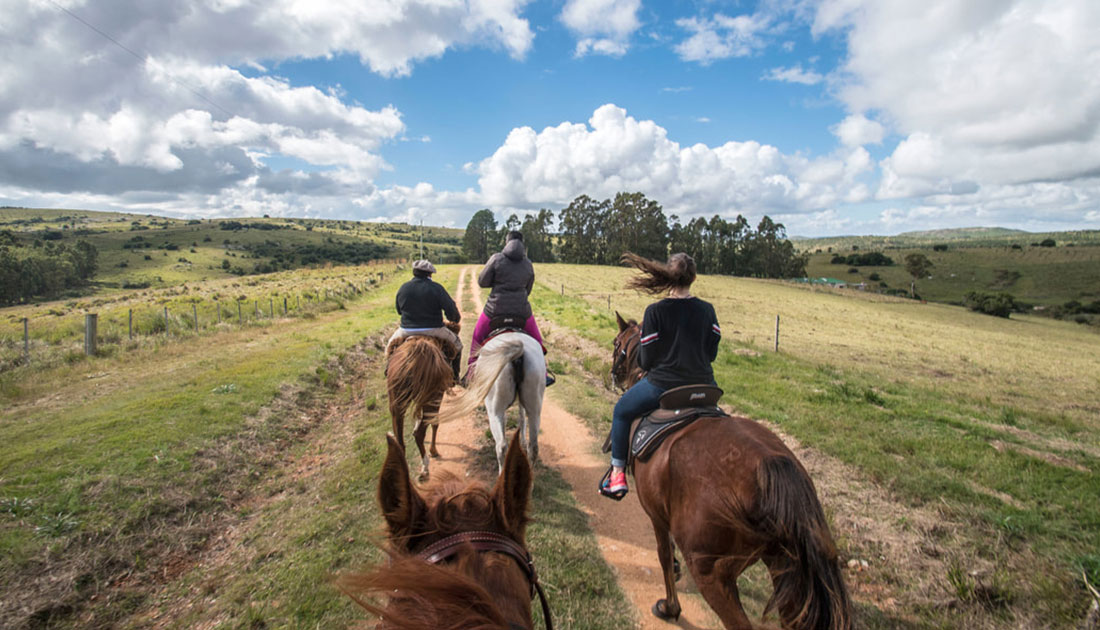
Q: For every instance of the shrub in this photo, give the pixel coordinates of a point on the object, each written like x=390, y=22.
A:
x=1016, y=246
x=998, y=304
x=1047, y=242
x=941, y=247
x=853, y=270
x=148, y=257
x=874, y=277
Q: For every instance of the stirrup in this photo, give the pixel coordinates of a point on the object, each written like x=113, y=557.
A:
x=604, y=485
x=550, y=380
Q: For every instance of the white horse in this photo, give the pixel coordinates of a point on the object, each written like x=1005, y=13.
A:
x=496, y=384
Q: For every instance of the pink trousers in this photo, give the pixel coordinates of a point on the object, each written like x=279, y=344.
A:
x=481, y=331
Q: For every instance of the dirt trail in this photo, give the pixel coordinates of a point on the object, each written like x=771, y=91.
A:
x=622, y=528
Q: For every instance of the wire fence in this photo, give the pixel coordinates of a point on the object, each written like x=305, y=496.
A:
x=71, y=336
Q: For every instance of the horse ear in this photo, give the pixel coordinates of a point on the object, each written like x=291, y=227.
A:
x=513, y=489
x=401, y=504
x=622, y=323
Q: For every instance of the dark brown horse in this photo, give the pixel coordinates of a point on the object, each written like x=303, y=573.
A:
x=418, y=374
x=458, y=559
x=730, y=493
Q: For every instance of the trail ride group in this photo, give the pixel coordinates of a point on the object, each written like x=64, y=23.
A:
x=722, y=489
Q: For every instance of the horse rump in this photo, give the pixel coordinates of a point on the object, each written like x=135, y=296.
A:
x=418, y=374
x=809, y=588
x=489, y=366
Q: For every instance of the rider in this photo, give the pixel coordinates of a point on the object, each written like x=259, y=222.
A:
x=679, y=340
x=419, y=303
x=511, y=275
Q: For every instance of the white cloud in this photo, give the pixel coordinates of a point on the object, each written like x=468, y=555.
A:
x=676, y=90
x=702, y=119
x=794, y=74
x=984, y=94
x=616, y=152
x=721, y=37
x=601, y=26
x=857, y=130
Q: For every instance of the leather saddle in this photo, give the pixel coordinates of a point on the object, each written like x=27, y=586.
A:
x=679, y=407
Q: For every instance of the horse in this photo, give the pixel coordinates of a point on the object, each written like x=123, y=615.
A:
x=417, y=375
x=458, y=558
x=503, y=358
x=730, y=493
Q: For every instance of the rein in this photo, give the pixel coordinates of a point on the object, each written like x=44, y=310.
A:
x=490, y=542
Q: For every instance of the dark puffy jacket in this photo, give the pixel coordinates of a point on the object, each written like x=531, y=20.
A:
x=420, y=302
x=511, y=276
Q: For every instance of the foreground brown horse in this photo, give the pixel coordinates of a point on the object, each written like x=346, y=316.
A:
x=418, y=375
x=484, y=578
x=730, y=493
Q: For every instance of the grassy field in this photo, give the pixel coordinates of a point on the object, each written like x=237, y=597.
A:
x=990, y=425
x=1039, y=276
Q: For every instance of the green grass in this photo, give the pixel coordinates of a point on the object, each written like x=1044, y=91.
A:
x=862, y=380
x=143, y=445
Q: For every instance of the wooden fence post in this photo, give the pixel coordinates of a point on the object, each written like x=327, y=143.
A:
x=240, y=316
x=609, y=302
x=298, y=300
x=195, y=314
x=563, y=289
x=26, y=338
x=90, y=321
x=271, y=307
x=777, y=333
x=219, y=305
x=256, y=308
x=130, y=325
x=284, y=305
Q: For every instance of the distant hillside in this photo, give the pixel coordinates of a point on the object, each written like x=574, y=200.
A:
x=148, y=250
x=971, y=237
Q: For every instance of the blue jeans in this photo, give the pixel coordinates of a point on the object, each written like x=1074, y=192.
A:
x=636, y=401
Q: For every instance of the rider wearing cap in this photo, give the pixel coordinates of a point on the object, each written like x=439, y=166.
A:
x=510, y=275
x=421, y=303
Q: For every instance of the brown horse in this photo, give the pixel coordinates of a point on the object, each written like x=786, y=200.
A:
x=730, y=493
x=457, y=553
x=418, y=374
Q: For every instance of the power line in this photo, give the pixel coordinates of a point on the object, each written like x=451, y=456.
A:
x=138, y=57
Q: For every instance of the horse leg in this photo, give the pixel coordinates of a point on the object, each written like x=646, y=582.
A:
x=496, y=409
x=433, y=450
x=717, y=582
x=419, y=432
x=521, y=425
x=533, y=406
x=669, y=607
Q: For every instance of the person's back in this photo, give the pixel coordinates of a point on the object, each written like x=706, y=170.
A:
x=510, y=275
x=421, y=303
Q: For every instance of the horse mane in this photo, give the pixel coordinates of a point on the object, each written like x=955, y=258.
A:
x=422, y=595
x=418, y=372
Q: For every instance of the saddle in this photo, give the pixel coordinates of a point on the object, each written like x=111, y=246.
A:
x=679, y=407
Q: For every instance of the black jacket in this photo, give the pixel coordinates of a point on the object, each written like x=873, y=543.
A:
x=511, y=276
x=420, y=302
x=679, y=341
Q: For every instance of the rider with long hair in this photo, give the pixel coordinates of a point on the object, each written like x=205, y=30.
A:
x=679, y=340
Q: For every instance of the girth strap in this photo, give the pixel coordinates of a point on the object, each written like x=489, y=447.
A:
x=482, y=541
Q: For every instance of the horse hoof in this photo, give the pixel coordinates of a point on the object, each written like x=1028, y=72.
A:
x=660, y=611
x=433, y=452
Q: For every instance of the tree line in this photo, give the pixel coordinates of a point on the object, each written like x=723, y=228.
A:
x=598, y=232
x=44, y=269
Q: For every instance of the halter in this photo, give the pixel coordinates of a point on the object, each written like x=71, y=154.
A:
x=482, y=542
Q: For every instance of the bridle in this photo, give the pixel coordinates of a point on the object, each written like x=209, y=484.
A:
x=624, y=356
x=485, y=542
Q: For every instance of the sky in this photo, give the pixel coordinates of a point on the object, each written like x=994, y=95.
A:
x=832, y=117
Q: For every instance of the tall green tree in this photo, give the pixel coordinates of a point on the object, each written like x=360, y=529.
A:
x=537, y=236
x=636, y=224
x=480, y=239
x=582, y=231
x=918, y=266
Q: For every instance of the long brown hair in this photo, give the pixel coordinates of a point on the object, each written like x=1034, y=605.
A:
x=656, y=277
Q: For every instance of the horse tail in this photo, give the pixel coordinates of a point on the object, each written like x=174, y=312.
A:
x=418, y=375
x=490, y=363
x=809, y=588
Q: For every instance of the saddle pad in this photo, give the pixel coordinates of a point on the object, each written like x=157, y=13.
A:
x=652, y=430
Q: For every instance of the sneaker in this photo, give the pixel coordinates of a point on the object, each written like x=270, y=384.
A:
x=614, y=486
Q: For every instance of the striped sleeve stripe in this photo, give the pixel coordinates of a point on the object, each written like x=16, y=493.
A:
x=650, y=338
x=716, y=329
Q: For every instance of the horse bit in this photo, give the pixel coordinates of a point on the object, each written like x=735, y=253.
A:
x=481, y=541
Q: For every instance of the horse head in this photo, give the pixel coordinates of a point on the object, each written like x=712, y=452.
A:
x=457, y=550
x=625, y=371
